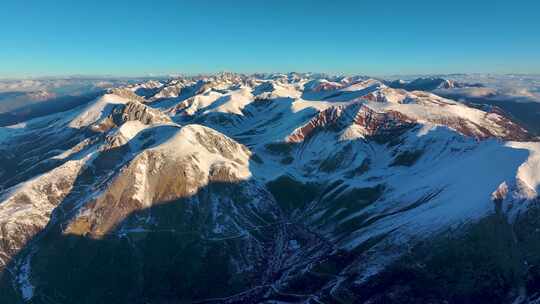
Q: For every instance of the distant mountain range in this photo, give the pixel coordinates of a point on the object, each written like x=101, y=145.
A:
x=430, y=84
x=519, y=96
x=271, y=188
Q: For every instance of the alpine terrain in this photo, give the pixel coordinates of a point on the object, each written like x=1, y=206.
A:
x=270, y=188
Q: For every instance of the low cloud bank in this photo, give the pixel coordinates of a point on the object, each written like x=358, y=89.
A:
x=514, y=88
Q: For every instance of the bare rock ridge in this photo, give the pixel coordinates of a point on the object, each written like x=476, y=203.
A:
x=134, y=110
x=340, y=117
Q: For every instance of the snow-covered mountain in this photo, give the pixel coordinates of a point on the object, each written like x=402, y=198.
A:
x=270, y=188
x=517, y=95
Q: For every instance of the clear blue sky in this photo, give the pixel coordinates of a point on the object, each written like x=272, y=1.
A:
x=374, y=37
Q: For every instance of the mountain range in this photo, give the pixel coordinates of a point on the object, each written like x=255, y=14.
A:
x=271, y=188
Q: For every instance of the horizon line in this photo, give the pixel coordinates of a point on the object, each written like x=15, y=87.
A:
x=202, y=74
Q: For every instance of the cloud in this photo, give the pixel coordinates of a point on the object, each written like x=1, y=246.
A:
x=21, y=85
x=513, y=88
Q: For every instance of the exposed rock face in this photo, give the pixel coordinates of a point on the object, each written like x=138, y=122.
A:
x=377, y=123
x=132, y=111
x=169, y=91
x=137, y=111
x=340, y=117
x=511, y=130
x=321, y=86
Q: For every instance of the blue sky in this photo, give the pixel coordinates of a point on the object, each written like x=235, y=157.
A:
x=132, y=38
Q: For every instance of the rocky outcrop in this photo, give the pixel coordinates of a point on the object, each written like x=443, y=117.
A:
x=169, y=91
x=510, y=130
x=135, y=110
x=340, y=117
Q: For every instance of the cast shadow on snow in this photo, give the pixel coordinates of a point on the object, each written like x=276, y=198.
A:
x=179, y=258
x=46, y=107
x=35, y=152
x=262, y=118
